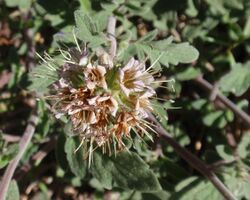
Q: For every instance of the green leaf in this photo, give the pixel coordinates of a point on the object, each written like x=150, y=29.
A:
x=61, y=156
x=162, y=50
x=188, y=74
x=7, y=155
x=75, y=158
x=243, y=147
x=216, y=118
x=127, y=170
x=25, y=4
x=234, y=4
x=81, y=26
x=149, y=36
x=96, y=41
x=101, y=19
x=192, y=10
x=42, y=76
x=85, y=5
x=237, y=80
x=224, y=152
x=161, y=195
x=40, y=84
x=175, y=171
x=90, y=24
x=199, y=104
x=179, y=53
x=88, y=29
x=246, y=31
x=162, y=44
x=22, y=4
x=13, y=191
x=12, y=3
x=195, y=188
x=85, y=24
x=160, y=112
x=110, y=7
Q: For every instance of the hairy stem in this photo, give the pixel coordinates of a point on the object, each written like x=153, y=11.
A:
x=192, y=160
x=23, y=144
x=111, y=35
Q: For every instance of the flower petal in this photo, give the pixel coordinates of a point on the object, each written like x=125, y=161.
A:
x=129, y=65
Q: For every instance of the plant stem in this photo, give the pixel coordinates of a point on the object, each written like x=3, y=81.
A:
x=23, y=144
x=240, y=113
x=111, y=35
x=192, y=160
x=29, y=38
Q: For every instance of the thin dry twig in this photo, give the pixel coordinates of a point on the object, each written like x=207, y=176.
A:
x=209, y=87
x=191, y=159
x=111, y=35
x=25, y=140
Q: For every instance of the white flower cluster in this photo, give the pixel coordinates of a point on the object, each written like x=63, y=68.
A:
x=104, y=100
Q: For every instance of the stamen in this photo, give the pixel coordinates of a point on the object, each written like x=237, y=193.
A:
x=145, y=131
x=78, y=47
x=65, y=54
x=45, y=61
x=153, y=64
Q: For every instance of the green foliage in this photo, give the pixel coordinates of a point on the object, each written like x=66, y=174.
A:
x=75, y=157
x=212, y=36
x=217, y=118
x=22, y=4
x=188, y=74
x=13, y=191
x=125, y=170
x=180, y=53
x=42, y=76
x=163, y=50
x=237, y=80
x=7, y=152
x=195, y=188
x=224, y=152
x=87, y=30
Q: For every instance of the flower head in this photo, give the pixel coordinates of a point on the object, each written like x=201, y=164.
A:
x=102, y=99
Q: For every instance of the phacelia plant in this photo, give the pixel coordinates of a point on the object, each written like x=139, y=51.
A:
x=105, y=89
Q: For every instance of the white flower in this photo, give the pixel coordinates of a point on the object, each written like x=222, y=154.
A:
x=133, y=77
x=143, y=105
x=105, y=103
x=94, y=76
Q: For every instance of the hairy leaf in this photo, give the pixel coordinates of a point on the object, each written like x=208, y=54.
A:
x=7, y=155
x=75, y=158
x=13, y=191
x=126, y=170
x=237, y=80
x=149, y=36
x=179, y=53
x=195, y=188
